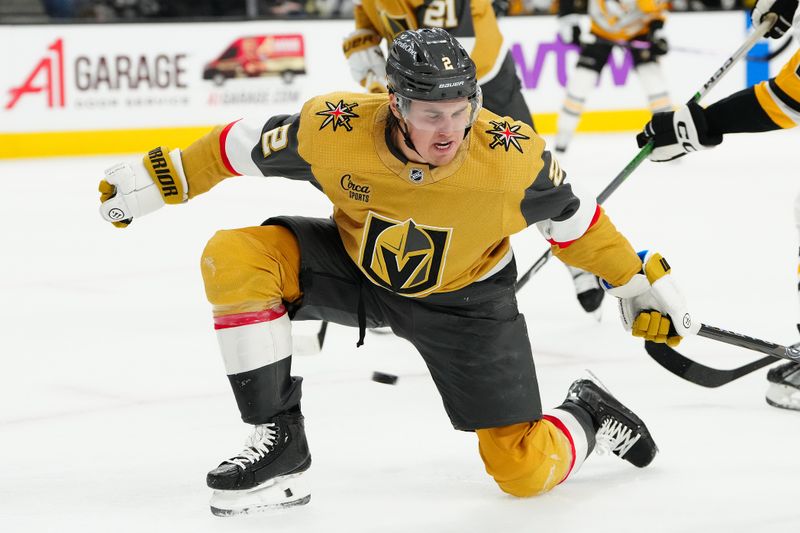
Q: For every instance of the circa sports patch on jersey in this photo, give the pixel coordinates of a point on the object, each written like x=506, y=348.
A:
x=404, y=257
x=506, y=135
x=338, y=115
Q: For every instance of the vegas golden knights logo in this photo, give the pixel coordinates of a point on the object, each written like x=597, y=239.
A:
x=404, y=257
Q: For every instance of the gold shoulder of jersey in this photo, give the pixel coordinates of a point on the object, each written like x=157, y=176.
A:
x=341, y=112
x=507, y=150
x=341, y=119
x=505, y=136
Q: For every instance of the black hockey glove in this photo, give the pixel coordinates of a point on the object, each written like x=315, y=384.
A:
x=676, y=133
x=500, y=7
x=660, y=46
x=658, y=41
x=783, y=8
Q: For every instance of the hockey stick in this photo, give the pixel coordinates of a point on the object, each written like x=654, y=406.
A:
x=705, y=376
x=698, y=373
x=303, y=345
x=647, y=45
x=726, y=67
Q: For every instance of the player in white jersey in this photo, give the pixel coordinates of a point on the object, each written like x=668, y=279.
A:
x=632, y=24
x=771, y=105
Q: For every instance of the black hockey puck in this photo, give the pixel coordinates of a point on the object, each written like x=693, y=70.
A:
x=381, y=377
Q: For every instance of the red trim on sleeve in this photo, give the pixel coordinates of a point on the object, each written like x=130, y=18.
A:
x=223, y=137
x=246, y=319
x=561, y=427
x=595, y=218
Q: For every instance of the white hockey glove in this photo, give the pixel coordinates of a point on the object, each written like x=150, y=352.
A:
x=131, y=190
x=676, y=133
x=650, y=304
x=785, y=9
x=365, y=57
x=569, y=28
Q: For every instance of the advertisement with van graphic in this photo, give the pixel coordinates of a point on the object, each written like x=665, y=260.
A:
x=257, y=56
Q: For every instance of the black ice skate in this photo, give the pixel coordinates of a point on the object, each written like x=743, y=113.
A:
x=618, y=429
x=267, y=473
x=587, y=288
x=784, y=386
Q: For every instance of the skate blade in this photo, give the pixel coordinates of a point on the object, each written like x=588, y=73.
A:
x=281, y=493
x=783, y=397
x=593, y=377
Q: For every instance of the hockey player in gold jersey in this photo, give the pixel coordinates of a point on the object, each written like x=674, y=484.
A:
x=474, y=24
x=770, y=105
x=426, y=188
x=632, y=24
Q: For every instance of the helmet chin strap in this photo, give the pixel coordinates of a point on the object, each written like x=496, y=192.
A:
x=406, y=137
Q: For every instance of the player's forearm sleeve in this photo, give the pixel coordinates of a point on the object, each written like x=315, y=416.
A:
x=738, y=113
x=203, y=163
x=603, y=251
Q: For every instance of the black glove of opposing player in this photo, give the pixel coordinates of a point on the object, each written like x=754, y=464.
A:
x=658, y=42
x=676, y=133
x=783, y=8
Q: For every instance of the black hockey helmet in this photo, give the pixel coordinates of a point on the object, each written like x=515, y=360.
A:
x=430, y=64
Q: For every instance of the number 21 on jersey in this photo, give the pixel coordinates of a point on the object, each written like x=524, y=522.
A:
x=441, y=14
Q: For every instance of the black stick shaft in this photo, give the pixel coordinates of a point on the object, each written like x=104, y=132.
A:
x=751, y=343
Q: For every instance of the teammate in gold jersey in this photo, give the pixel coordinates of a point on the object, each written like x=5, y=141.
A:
x=426, y=188
x=770, y=105
x=633, y=24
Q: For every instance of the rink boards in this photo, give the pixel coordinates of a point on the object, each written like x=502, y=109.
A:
x=94, y=89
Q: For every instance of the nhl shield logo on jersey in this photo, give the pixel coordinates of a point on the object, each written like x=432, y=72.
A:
x=404, y=257
x=338, y=115
x=506, y=135
x=416, y=175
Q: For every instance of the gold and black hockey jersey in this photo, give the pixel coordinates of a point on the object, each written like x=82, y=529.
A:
x=779, y=97
x=624, y=19
x=472, y=22
x=411, y=228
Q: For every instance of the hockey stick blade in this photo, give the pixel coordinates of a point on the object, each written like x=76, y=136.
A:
x=697, y=373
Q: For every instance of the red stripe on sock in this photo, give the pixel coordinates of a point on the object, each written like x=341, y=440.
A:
x=223, y=137
x=246, y=319
x=560, y=425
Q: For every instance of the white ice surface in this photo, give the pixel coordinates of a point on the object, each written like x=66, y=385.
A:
x=114, y=402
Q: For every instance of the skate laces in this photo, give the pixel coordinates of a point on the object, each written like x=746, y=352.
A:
x=615, y=437
x=257, y=445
